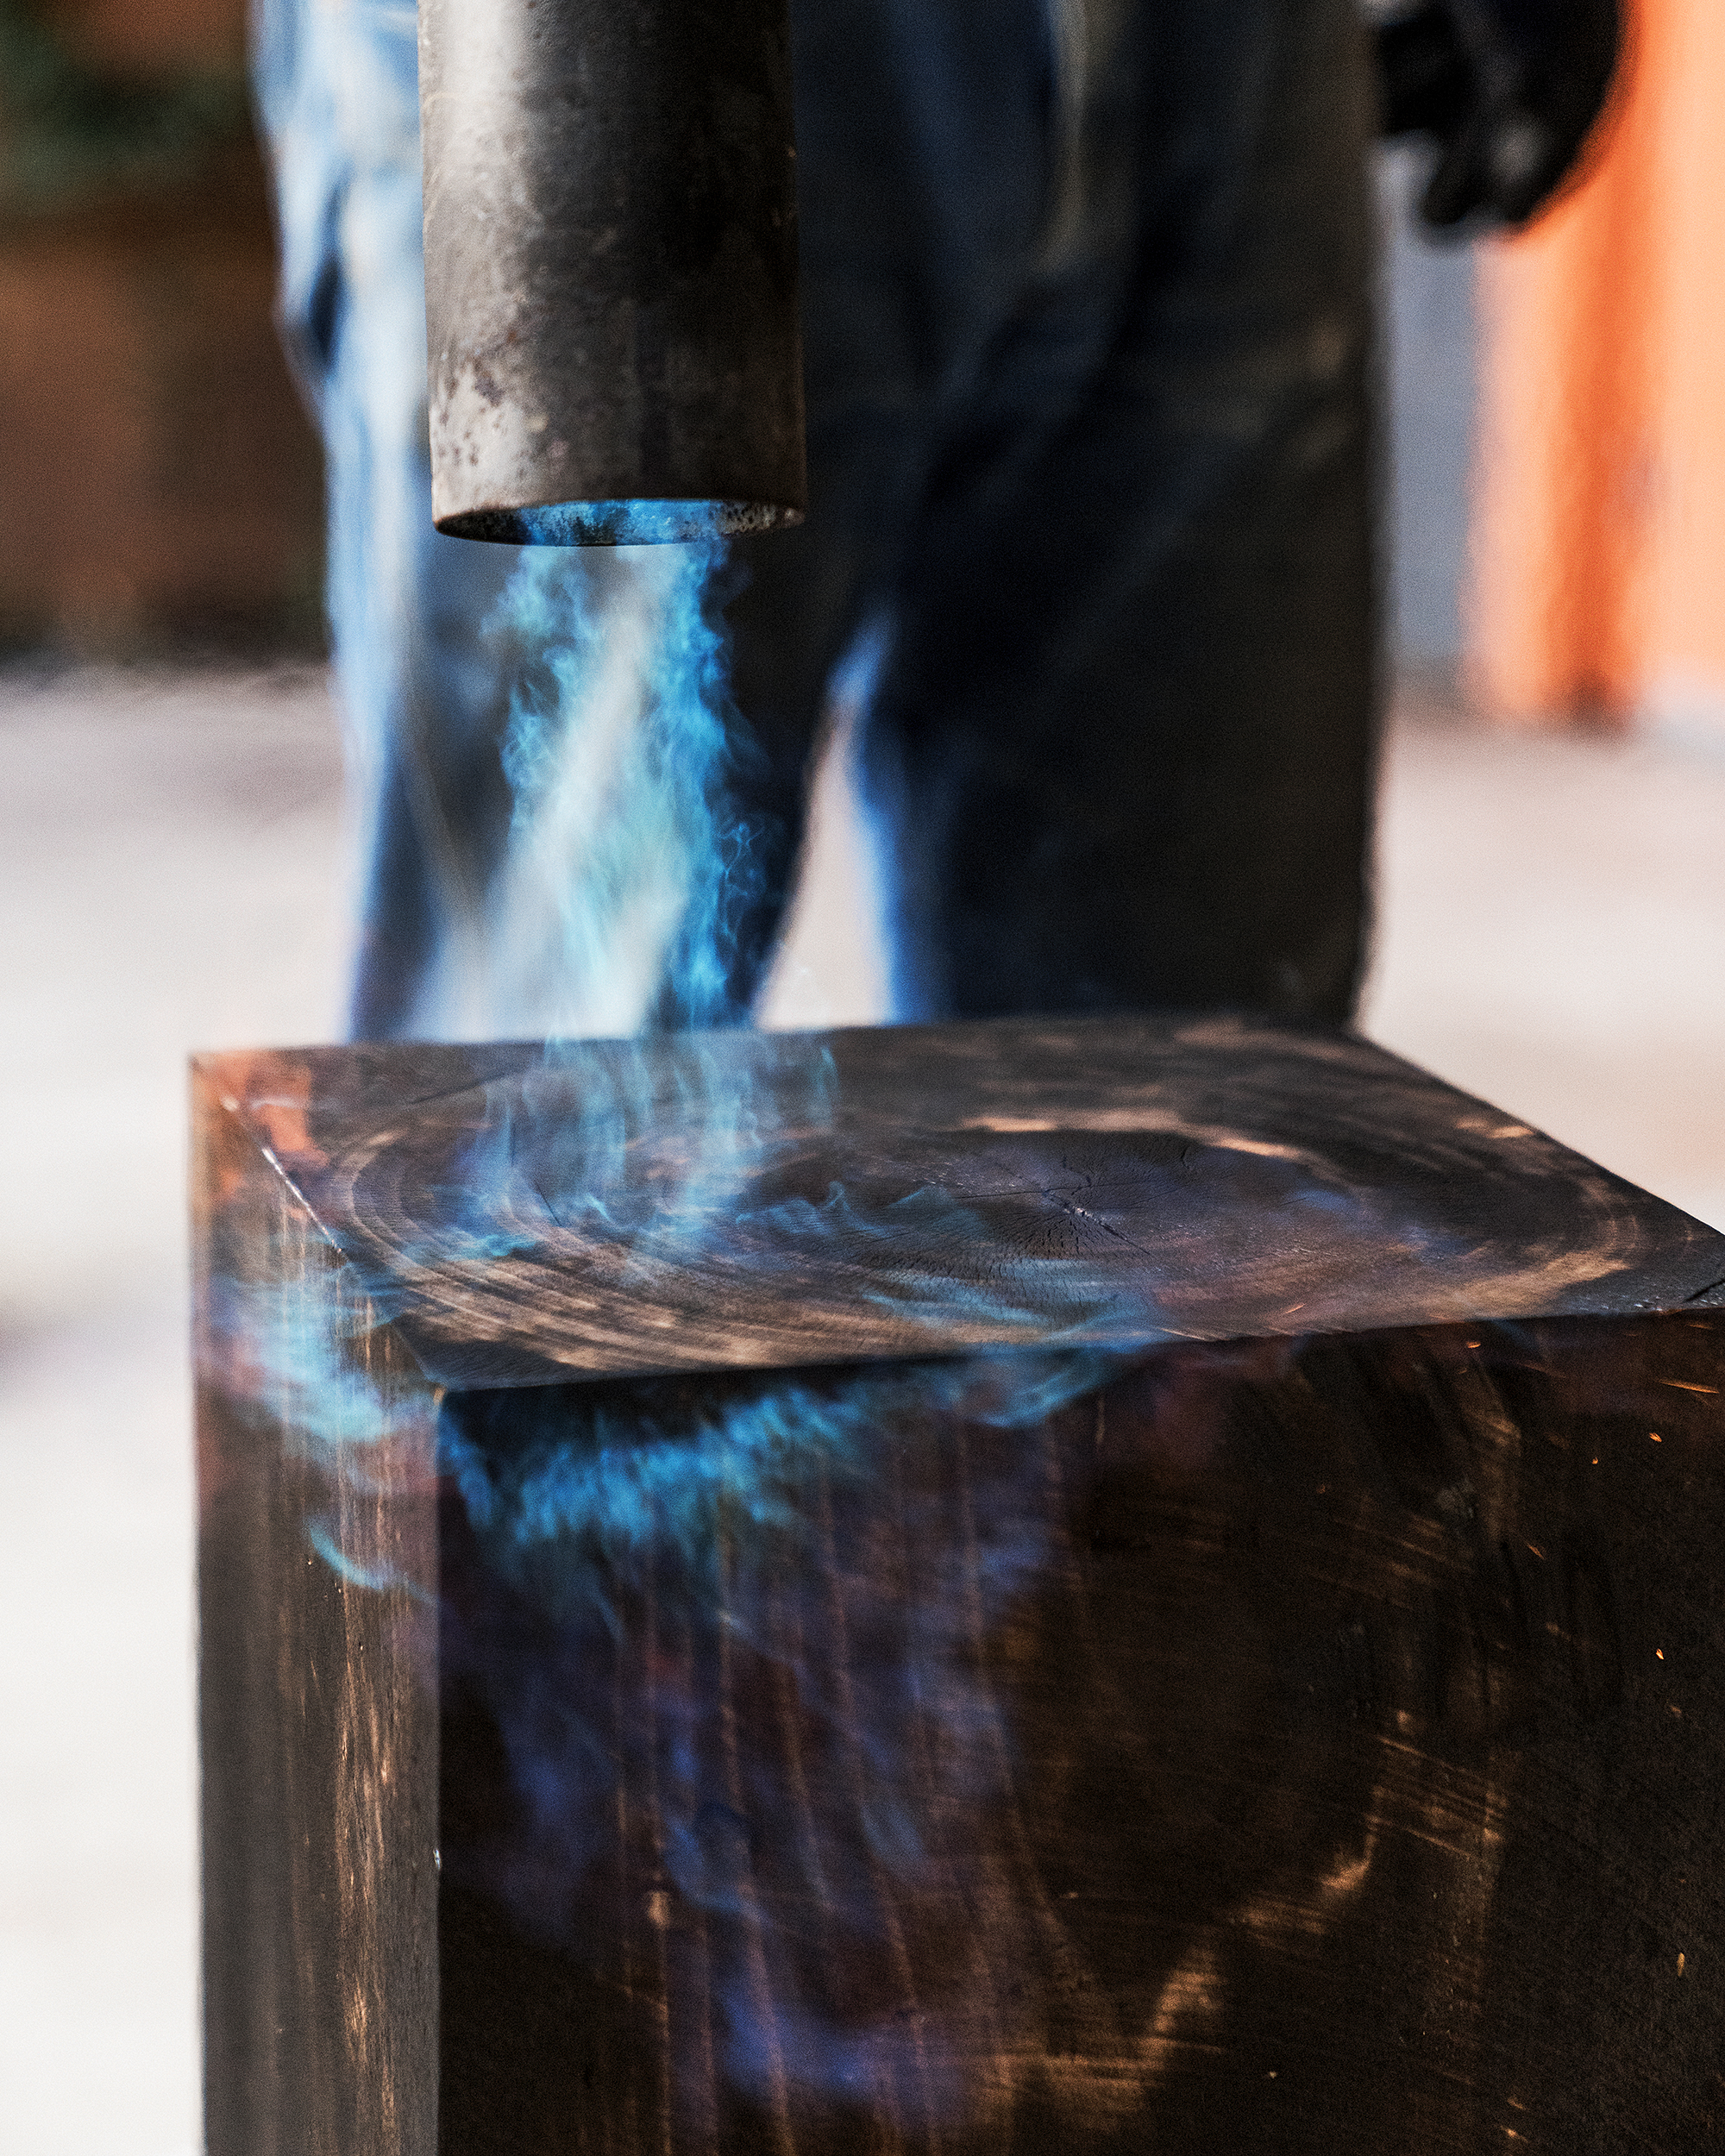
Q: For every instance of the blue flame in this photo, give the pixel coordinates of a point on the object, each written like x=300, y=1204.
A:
x=636, y=524
x=652, y=1556
x=629, y=863
x=601, y=1476
x=301, y=1353
x=713, y=1500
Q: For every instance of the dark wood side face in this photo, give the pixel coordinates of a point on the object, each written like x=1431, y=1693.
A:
x=319, y=1728
x=1294, y=1747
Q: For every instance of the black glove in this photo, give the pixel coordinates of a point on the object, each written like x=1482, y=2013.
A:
x=1509, y=88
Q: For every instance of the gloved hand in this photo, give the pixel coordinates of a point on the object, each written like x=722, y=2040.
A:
x=1510, y=89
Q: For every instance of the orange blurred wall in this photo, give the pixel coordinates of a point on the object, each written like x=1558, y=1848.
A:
x=1597, y=577
x=160, y=479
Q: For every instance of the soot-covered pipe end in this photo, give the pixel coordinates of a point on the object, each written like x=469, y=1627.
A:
x=611, y=270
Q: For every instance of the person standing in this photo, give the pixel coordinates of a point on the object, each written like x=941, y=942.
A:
x=1088, y=299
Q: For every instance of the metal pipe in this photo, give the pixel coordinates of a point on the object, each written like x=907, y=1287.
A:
x=610, y=269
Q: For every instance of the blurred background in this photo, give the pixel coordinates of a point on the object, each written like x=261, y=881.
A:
x=160, y=479
x=1551, y=904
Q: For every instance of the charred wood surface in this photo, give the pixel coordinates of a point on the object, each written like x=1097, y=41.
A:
x=1305, y=1738
x=750, y=1200
x=1306, y=1749
x=318, y=1731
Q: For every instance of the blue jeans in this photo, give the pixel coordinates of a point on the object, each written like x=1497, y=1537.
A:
x=1087, y=313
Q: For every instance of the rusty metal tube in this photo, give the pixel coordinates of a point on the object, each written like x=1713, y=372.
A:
x=610, y=269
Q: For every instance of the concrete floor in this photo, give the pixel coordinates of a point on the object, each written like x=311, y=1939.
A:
x=1552, y=935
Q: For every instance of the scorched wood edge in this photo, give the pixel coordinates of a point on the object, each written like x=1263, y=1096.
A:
x=1301, y=1730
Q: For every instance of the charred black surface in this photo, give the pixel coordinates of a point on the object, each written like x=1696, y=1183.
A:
x=610, y=269
x=1340, y=1772
x=1306, y=1739
x=771, y=1199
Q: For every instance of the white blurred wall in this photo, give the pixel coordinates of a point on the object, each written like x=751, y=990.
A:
x=1429, y=351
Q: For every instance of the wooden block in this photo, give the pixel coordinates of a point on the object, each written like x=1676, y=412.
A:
x=1101, y=1585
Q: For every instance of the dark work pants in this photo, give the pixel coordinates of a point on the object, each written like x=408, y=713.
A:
x=1088, y=368
x=1086, y=292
